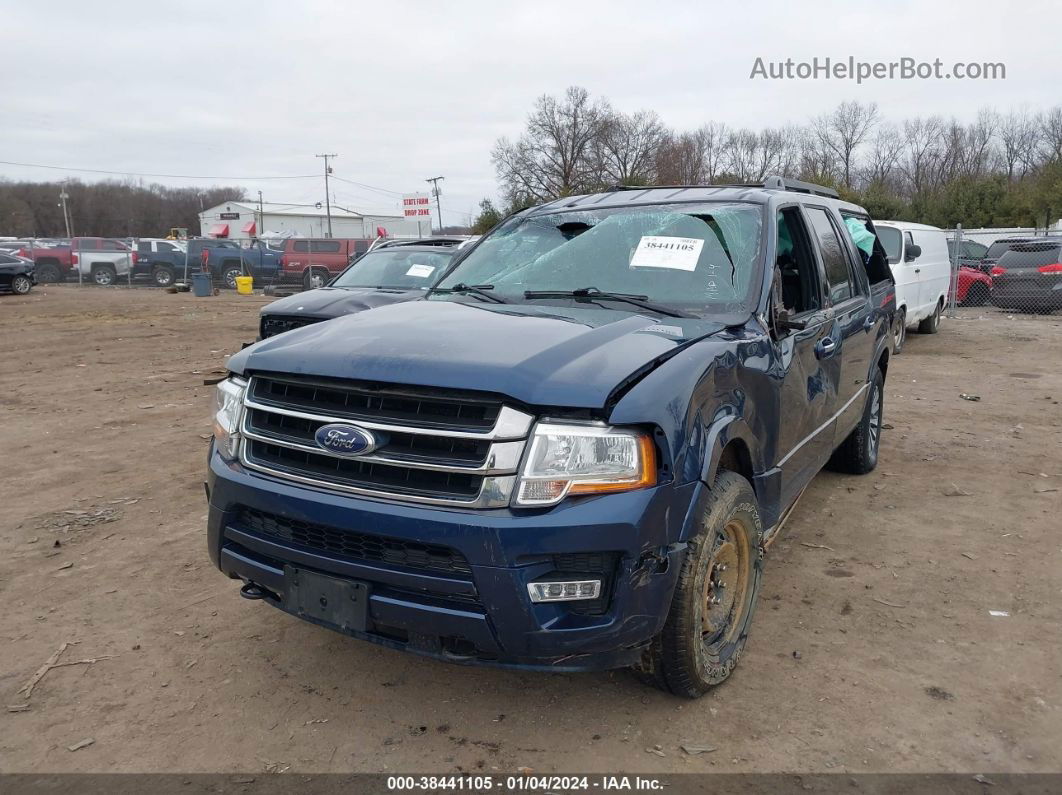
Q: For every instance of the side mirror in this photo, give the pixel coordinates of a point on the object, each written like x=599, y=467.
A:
x=912, y=253
x=783, y=324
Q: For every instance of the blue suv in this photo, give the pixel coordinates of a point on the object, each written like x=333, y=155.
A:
x=573, y=453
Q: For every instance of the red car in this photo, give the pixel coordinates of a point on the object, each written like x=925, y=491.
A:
x=973, y=287
x=314, y=261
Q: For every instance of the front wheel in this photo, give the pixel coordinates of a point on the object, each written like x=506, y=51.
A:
x=104, y=275
x=715, y=597
x=21, y=285
x=899, y=330
x=932, y=323
x=858, y=454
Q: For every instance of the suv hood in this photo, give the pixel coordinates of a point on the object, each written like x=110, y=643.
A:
x=541, y=355
x=329, y=302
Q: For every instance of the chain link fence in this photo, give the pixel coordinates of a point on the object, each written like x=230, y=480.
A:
x=1016, y=271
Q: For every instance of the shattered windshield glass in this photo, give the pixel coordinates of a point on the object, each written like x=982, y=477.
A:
x=700, y=257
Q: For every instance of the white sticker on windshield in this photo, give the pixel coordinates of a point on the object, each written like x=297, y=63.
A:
x=677, y=253
x=421, y=271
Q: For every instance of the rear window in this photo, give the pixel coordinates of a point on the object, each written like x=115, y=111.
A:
x=1030, y=256
x=996, y=250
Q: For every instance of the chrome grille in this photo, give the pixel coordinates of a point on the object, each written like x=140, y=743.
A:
x=436, y=446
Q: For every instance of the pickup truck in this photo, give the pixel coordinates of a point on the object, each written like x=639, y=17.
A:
x=315, y=261
x=100, y=259
x=162, y=260
x=226, y=263
x=573, y=453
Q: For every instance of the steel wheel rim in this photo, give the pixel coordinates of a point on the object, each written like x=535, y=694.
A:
x=103, y=278
x=161, y=278
x=726, y=584
x=316, y=280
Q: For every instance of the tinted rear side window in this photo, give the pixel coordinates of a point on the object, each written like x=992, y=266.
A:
x=838, y=275
x=1030, y=257
x=326, y=246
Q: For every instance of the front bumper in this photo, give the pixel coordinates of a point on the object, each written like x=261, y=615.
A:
x=483, y=614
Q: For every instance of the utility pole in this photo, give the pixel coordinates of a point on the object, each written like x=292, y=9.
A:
x=435, y=192
x=328, y=198
x=63, y=196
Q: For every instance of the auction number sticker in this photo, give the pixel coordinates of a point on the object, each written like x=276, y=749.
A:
x=675, y=253
x=421, y=271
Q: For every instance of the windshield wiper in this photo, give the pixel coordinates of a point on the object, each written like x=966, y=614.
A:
x=593, y=293
x=475, y=289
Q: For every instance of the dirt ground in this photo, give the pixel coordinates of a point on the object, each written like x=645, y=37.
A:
x=874, y=647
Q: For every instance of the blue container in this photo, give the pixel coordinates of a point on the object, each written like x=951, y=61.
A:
x=201, y=285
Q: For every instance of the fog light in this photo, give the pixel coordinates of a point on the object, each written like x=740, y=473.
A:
x=566, y=591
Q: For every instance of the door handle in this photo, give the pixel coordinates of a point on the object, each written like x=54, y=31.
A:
x=918, y=270
x=868, y=323
x=825, y=348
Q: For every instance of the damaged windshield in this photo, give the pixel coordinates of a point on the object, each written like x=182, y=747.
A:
x=699, y=257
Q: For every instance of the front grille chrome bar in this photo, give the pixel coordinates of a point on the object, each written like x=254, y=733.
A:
x=497, y=470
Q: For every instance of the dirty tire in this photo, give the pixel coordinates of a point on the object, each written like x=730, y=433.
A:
x=899, y=330
x=858, y=454
x=21, y=285
x=49, y=273
x=104, y=275
x=702, y=640
x=163, y=275
x=932, y=323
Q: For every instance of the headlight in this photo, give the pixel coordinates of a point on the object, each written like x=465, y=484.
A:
x=584, y=459
x=228, y=411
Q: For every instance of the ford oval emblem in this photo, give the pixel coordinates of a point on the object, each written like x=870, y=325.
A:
x=345, y=440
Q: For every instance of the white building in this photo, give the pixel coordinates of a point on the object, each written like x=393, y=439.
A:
x=237, y=220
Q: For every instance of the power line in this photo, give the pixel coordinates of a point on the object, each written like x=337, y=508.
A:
x=145, y=174
x=368, y=187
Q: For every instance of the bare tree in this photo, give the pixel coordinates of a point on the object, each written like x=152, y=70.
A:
x=842, y=131
x=884, y=155
x=1051, y=135
x=628, y=145
x=556, y=154
x=1019, y=137
x=921, y=146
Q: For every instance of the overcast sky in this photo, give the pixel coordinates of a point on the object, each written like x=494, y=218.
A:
x=405, y=91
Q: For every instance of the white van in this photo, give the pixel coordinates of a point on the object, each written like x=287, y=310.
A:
x=918, y=256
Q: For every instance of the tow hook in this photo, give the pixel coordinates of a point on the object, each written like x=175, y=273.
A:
x=254, y=592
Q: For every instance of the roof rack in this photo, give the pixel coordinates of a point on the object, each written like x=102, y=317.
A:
x=769, y=183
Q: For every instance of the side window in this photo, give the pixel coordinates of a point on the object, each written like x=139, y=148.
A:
x=301, y=246
x=6, y=260
x=361, y=246
x=838, y=275
x=143, y=248
x=166, y=246
x=799, y=275
x=326, y=246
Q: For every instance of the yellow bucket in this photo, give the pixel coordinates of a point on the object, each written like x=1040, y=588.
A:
x=244, y=285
